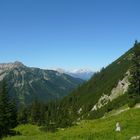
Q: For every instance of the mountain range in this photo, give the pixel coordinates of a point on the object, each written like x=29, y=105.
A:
x=84, y=74
x=27, y=83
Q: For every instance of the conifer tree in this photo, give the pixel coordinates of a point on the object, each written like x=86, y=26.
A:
x=134, y=88
x=35, y=112
x=7, y=112
x=13, y=114
x=22, y=116
x=4, y=111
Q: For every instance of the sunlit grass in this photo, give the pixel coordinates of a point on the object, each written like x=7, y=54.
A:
x=101, y=129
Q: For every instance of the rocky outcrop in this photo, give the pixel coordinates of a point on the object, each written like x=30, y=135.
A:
x=117, y=91
x=121, y=88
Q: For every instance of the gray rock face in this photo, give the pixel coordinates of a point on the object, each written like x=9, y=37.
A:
x=121, y=88
x=26, y=84
x=117, y=91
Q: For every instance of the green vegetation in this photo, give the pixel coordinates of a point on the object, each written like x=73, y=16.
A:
x=65, y=111
x=41, y=114
x=88, y=94
x=100, y=129
x=134, y=88
x=8, y=112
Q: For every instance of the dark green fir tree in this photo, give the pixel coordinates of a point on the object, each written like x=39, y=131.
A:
x=8, y=113
x=134, y=88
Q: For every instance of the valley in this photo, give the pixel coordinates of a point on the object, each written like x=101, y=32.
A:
x=69, y=70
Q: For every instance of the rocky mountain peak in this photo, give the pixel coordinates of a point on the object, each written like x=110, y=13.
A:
x=18, y=64
x=11, y=65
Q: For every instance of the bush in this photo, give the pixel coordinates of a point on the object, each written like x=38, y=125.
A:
x=132, y=103
x=50, y=128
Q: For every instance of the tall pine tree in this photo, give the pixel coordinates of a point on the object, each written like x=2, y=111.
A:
x=134, y=88
x=7, y=112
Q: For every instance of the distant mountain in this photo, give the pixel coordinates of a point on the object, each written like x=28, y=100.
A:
x=84, y=74
x=27, y=83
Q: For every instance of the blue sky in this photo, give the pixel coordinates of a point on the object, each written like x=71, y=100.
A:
x=67, y=33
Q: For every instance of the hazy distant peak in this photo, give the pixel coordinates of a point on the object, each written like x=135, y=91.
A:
x=84, y=74
x=81, y=71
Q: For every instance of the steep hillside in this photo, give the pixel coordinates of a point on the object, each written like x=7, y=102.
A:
x=102, y=93
x=99, y=90
x=26, y=84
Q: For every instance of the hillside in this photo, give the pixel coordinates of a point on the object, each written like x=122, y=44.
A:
x=100, y=129
x=27, y=83
x=105, y=91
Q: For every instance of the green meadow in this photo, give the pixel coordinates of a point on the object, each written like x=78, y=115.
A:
x=100, y=129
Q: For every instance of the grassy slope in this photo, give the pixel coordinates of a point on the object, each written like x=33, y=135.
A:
x=101, y=129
